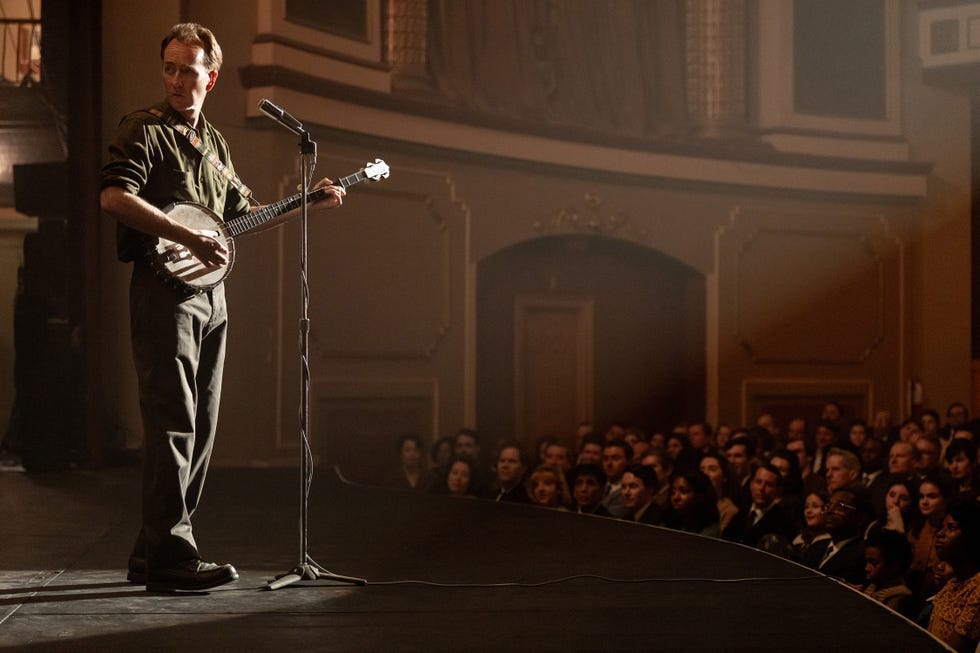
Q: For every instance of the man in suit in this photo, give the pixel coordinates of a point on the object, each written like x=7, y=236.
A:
x=616, y=455
x=765, y=515
x=510, y=470
x=639, y=486
x=843, y=554
x=588, y=482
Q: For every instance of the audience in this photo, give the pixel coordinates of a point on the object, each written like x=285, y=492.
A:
x=904, y=530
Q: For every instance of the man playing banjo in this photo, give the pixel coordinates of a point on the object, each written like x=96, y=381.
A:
x=178, y=335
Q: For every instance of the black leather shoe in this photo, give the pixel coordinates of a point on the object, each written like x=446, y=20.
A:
x=189, y=576
x=137, y=570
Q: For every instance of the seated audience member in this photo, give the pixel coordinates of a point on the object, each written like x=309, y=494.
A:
x=825, y=436
x=740, y=452
x=872, y=455
x=663, y=466
x=929, y=419
x=510, y=469
x=857, y=435
x=955, y=618
x=590, y=450
x=722, y=435
x=440, y=454
x=410, y=473
x=896, y=510
x=788, y=465
x=848, y=512
x=882, y=426
x=546, y=486
x=909, y=431
x=639, y=485
x=768, y=422
x=901, y=459
x=681, y=452
x=887, y=556
x=957, y=415
x=803, y=448
x=813, y=533
x=556, y=455
x=933, y=495
x=693, y=505
x=700, y=437
x=658, y=440
x=797, y=429
x=842, y=469
x=466, y=444
x=928, y=459
x=461, y=478
x=616, y=431
x=961, y=464
x=615, y=457
x=763, y=514
x=715, y=466
x=942, y=574
x=588, y=482
x=541, y=445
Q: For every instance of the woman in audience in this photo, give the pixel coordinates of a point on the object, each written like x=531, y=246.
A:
x=961, y=462
x=887, y=556
x=714, y=465
x=806, y=548
x=547, y=487
x=411, y=472
x=693, y=505
x=460, y=478
x=681, y=452
x=933, y=494
x=955, y=618
x=896, y=513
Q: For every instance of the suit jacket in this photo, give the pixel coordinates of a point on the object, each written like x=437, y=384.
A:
x=847, y=564
x=777, y=520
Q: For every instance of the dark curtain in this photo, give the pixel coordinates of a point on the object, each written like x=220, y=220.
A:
x=610, y=65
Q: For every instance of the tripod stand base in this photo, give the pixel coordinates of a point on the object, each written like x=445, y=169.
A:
x=310, y=572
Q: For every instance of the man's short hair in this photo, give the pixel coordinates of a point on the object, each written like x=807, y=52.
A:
x=192, y=33
x=645, y=473
x=769, y=467
x=513, y=444
x=850, y=461
x=622, y=444
x=743, y=440
x=469, y=432
x=587, y=469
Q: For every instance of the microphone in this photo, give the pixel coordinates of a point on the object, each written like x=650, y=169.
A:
x=281, y=116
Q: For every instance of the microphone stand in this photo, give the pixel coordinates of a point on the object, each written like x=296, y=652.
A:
x=307, y=568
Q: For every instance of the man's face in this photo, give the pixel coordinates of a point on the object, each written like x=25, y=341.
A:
x=956, y=416
x=591, y=453
x=900, y=458
x=738, y=459
x=587, y=491
x=841, y=512
x=509, y=467
x=838, y=475
x=697, y=436
x=764, y=487
x=928, y=458
x=186, y=81
x=831, y=412
x=465, y=445
x=635, y=493
x=796, y=429
x=959, y=466
x=871, y=452
x=614, y=462
x=824, y=437
x=556, y=455
x=799, y=448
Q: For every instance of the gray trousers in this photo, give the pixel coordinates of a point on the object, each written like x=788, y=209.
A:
x=179, y=351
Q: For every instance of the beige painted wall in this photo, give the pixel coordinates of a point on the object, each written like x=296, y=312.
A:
x=393, y=273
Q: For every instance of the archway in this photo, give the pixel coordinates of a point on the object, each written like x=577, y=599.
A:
x=573, y=328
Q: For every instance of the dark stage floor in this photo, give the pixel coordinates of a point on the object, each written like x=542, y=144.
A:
x=493, y=577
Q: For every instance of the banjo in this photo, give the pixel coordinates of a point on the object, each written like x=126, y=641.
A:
x=176, y=265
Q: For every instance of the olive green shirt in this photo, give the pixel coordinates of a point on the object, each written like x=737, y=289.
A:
x=150, y=159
